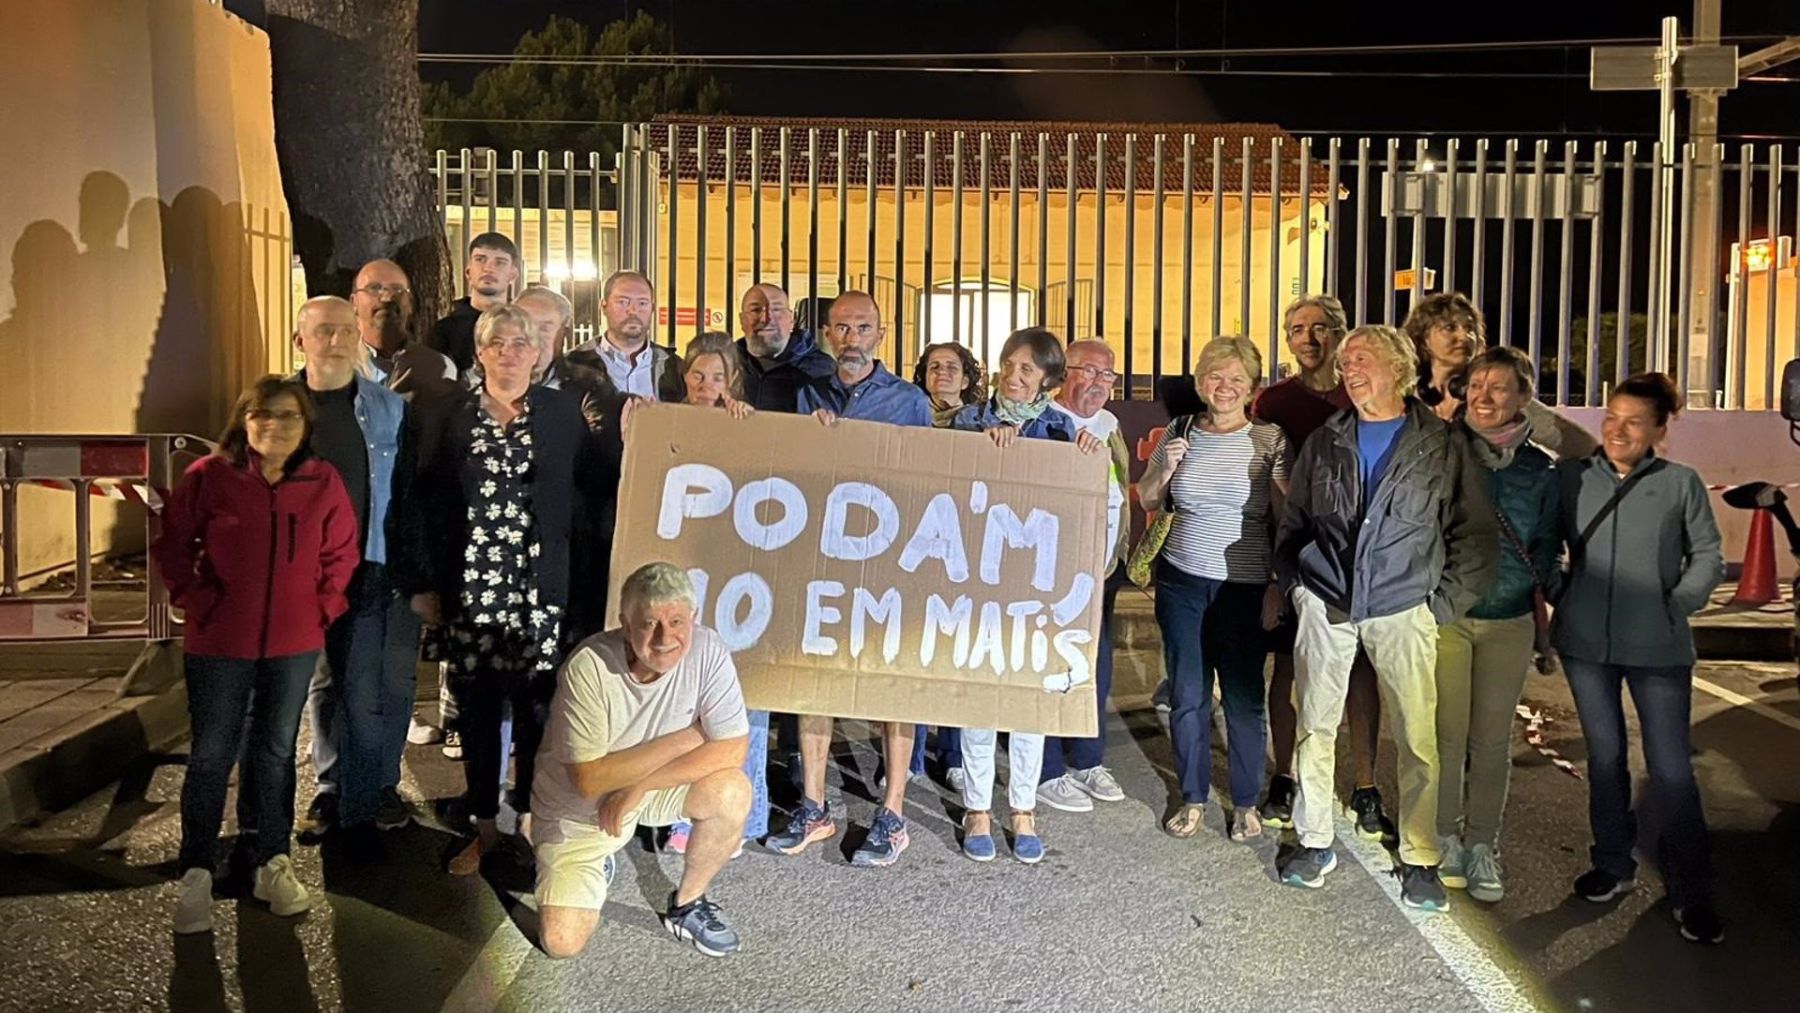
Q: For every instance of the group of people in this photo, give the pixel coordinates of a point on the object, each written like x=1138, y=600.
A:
x=1391, y=523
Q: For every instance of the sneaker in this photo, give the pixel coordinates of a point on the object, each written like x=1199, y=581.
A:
x=887, y=839
x=1065, y=794
x=1371, y=821
x=1245, y=825
x=608, y=869
x=1700, y=924
x=452, y=744
x=1307, y=867
x=699, y=923
x=1421, y=888
x=278, y=887
x=1484, y=874
x=957, y=778
x=809, y=823
x=1277, y=809
x=193, y=902
x=1098, y=782
x=1161, y=697
x=391, y=811
x=1450, y=862
x=978, y=847
x=421, y=734
x=678, y=838
x=1600, y=886
x=321, y=816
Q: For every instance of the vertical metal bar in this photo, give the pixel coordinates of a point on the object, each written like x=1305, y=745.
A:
x=1590, y=372
x=1069, y=184
x=1795, y=257
x=787, y=191
x=543, y=205
x=1187, y=250
x=672, y=297
x=594, y=250
x=1450, y=169
x=730, y=221
x=702, y=248
x=1478, y=269
x=1128, y=320
x=440, y=175
x=986, y=158
x=1100, y=236
x=1362, y=231
x=1716, y=381
x=1218, y=238
x=1685, y=330
x=1771, y=295
x=843, y=215
x=1656, y=353
x=1156, y=271
x=629, y=198
x=569, y=210
x=493, y=188
x=9, y=499
x=1043, y=238
x=84, y=538
x=1275, y=188
x=1305, y=234
x=1508, y=231
x=956, y=237
x=869, y=209
x=462, y=255
x=1012, y=273
x=1334, y=255
x=812, y=215
x=1535, y=325
x=1419, y=239
x=900, y=166
x=927, y=286
x=1566, y=275
x=1740, y=316
x=518, y=187
x=1246, y=199
x=1627, y=215
x=1391, y=233
x=756, y=206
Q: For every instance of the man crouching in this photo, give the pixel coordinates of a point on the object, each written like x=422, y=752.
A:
x=647, y=727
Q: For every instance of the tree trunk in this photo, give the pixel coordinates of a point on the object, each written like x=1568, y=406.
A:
x=350, y=142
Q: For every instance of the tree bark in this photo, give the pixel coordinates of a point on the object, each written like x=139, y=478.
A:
x=350, y=142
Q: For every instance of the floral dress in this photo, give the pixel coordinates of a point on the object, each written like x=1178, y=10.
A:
x=500, y=625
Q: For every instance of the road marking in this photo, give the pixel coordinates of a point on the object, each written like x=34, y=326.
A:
x=1739, y=699
x=492, y=971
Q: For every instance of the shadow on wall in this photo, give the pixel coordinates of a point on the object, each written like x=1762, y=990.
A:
x=143, y=326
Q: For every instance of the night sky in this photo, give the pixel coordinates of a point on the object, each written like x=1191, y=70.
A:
x=1338, y=103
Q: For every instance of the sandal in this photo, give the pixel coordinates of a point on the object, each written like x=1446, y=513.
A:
x=1186, y=821
x=1246, y=825
x=467, y=862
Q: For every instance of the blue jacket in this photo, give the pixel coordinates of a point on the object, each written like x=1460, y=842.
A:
x=880, y=397
x=1524, y=494
x=1052, y=425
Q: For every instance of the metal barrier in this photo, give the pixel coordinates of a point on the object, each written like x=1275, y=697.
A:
x=1157, y=237
x=137, y=469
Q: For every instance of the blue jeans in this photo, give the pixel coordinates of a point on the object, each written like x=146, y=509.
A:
x=361, y=698
x=1213, y=628
x=226, y=696
x=1663, y=698
x=756, y=767
x=1063, y=753
x=949, y=748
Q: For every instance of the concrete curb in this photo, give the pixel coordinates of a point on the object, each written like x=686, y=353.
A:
x=90, y=754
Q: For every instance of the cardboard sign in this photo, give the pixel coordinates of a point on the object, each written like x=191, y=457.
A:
x=877, y=571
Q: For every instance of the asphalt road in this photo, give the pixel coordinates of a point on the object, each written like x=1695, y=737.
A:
x=1118, y=917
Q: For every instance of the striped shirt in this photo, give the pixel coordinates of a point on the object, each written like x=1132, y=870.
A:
x=1221, y=491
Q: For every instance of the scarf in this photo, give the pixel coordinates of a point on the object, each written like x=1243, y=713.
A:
x=943, y=414
x=1494, y=448
x=1017, y=413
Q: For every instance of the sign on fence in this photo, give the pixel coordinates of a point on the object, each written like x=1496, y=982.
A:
x=879, y=572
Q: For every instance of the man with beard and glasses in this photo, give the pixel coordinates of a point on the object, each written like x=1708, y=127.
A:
x=776, y=362
x=384, y=317
x=860, y=388
x=492, y=269
x=626, y=360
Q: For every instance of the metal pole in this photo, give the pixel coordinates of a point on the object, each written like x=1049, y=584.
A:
x=1187, y=250
x=1450, y=167
x=1739, y=326
x=956, y=237
x=1246, y=200
x=1043, y=239
x=869, y=209
x=1156, y=269
x=1535, y=325
x=927, y=286
x=672, y=297
x=1303, y=284
x=812, y=216
x=1274, y=359
x=900, y=166
x=843, y=215
x=1012, y=268
x=1656, y=351
x=1419, y=239
x=702, y=250
x=1627, y=215
x=1510, y=174
x=1100, y=237
x=628, y=196
x=1218, y=237
x=756, y=206
x=1129, y=338
x=1566, y=275
x=1772, y=296
x=1684, y=333
x=1334, y=253
x=1069, y=183
x=1390, y=233
x=1703, y=207
x=1590, y=372
x=1362, y=231
x=1665, y=170
x=1478, y=269
x=730, y=219
x=787, y=190
x=985, y=157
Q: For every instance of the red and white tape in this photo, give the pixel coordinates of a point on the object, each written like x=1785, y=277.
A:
x=1778, y=485
x=1534, y=737
x=131, y=492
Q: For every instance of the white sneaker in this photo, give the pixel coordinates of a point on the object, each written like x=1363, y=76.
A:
x=421, y=734
x=193, y=903
x=958, y=778
x=1098, y=782
x=1063, y=793
x=277, y=886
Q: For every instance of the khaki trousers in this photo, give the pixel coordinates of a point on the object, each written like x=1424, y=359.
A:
x=1481, y=669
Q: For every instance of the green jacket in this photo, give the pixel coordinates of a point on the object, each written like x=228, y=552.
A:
x=1649, y=566
x=1522, y=486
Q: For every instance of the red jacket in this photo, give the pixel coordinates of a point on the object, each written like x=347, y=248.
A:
x=259, y=570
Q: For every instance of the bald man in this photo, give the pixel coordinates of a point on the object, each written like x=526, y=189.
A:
x=362, y=691
x=776, y=362
x=384, y=318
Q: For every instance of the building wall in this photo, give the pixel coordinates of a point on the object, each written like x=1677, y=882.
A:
x=680, y=289
x=145, y=247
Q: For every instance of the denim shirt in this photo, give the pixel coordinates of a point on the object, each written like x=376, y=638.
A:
x=380, y=412
x=1052, y=425
x=880, y=397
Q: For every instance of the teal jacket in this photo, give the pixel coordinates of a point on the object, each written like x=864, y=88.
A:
x=1522, y=487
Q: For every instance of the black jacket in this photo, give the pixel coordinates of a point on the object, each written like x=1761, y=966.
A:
x=665, y=370
x=454, y=335
x=777, y=387
x=1427, y=536
x=564, y=462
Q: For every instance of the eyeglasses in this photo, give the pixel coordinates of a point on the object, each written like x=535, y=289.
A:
x=1105, y=376
x=1316, y=330
x=518, y=346
x=286, y=418
x=376, y=291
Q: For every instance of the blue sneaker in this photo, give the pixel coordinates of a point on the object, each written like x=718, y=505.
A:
x=811, y=822
x=886, y=840
x=608, y=869
x=1420, y=888
x=699, y=923
x=1307, y=867
x=979, y=847
x=1028, y=848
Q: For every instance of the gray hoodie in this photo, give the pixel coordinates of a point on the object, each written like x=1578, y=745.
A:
x=1647, y=567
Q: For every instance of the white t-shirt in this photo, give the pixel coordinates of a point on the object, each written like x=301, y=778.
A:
x=1221, y=491
x=599, y=709
x=1103, y=424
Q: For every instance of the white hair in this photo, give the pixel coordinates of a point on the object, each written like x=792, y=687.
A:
x=564, y=308
x=656, y=584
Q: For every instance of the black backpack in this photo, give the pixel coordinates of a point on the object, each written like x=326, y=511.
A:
x=1790, y=398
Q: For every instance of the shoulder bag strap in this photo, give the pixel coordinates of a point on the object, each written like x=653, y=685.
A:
x=1186, y=424
x=1579, y=545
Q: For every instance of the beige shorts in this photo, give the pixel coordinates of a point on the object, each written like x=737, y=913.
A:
x=571, y=854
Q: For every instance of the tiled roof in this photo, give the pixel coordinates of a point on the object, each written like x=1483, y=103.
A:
x=999, y=133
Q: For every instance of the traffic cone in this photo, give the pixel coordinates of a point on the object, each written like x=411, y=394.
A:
x=1756, y=583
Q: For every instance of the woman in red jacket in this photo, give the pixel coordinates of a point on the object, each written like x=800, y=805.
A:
x=258, y=544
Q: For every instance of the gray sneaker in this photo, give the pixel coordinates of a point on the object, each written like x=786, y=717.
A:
x=1452, y=862
x=1098, y=782
x=699, y=923
x=1483, y=867
x=1065, y=794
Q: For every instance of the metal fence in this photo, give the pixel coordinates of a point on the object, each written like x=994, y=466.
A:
x=1598, y=258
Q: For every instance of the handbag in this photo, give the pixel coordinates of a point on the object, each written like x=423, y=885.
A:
x=1140, y=566
x=1544, y=657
